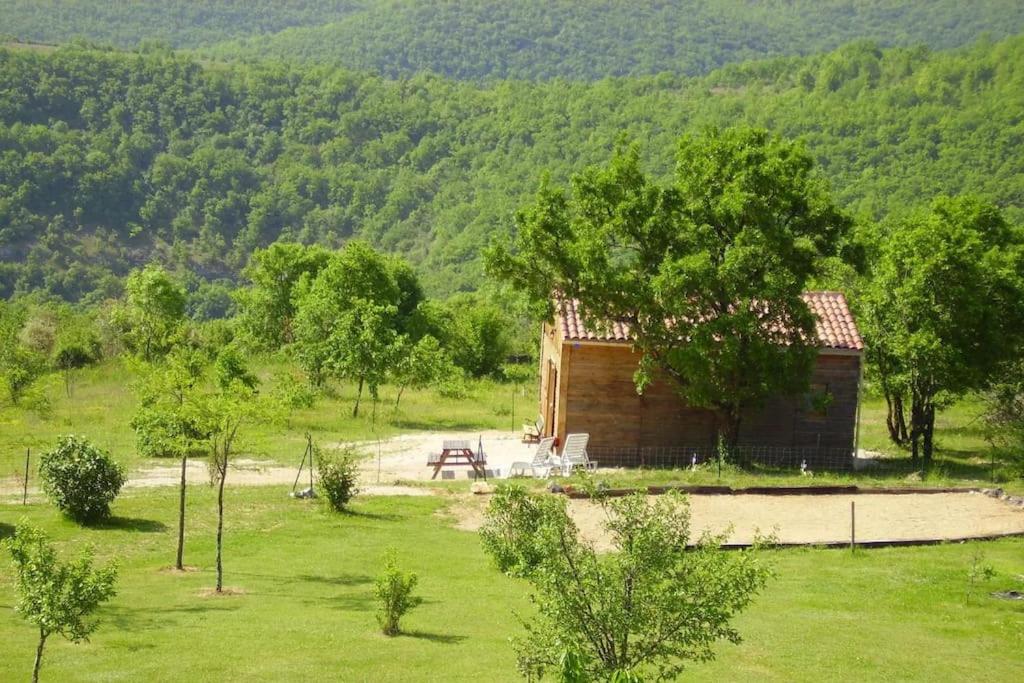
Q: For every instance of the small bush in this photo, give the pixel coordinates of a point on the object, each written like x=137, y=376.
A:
x=81, y=479
x=338, y=477
x=393, y=590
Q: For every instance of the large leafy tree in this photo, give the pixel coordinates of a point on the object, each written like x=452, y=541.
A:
x=707, y=271
x=944, y=310
x=268, y=306
x=359, y=293
x=640, y=611
x=151, y=313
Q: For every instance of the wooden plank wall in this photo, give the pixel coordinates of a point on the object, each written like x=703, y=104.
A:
x=601, y=400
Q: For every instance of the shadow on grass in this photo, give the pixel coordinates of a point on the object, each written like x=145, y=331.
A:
x=136, y=619
x=341, y=580
x=438, y=425
x=6, y=530
x=146, y=526
x=444, y=638
x=376, y=516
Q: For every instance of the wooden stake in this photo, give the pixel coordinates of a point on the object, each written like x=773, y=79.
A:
x=24, y=491
x=853, y=525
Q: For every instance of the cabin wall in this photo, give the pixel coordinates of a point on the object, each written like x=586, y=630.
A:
x=659, y=428
x=550, y=359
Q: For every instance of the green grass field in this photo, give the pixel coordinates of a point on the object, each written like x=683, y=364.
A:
x=102, y=404
x=305, y=610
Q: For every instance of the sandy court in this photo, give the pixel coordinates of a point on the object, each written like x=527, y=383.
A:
x=815, y=519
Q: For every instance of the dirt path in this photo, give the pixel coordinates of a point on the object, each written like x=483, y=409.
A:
x=814, y=519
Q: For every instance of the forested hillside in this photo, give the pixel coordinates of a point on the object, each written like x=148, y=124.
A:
x=108, y=159
x=522, y=39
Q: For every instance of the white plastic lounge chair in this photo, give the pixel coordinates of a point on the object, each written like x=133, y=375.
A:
x=574, y=454
x=533, y=430
x=543, y=460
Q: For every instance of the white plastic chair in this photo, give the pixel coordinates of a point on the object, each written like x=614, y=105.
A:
x=543, y=460
x=574, y=454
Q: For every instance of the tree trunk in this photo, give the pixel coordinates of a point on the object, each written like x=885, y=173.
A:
x=67, y=382
x=179, y=563
x=43, y=635
x=916, y=422
x=397, y=400
x=220, y=525
x=729, y=431
x=359, y=395
x=928, y=431
x=895, y=419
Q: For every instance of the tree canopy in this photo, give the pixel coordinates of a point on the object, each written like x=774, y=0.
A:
x=112, y=159
x=707, y=272
x=944, y=309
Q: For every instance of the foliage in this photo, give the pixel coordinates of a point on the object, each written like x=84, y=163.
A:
x=527, y=39
x=421, y=365
x=57, y=597
x=80, y=479
x=77, y=346
x=151, y=313
x=122, y=157
x=338, y=475
x=268, y=306
x=393, y=590
x=1003, y=415
x=349, y=317
x=944, y=310
x=707, y=272
x=166, y=423
x=643, y=609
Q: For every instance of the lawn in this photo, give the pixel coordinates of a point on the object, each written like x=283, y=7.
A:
x=306, y=610
x=102, y=403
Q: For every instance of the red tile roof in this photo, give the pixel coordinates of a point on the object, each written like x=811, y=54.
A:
x=835, y=325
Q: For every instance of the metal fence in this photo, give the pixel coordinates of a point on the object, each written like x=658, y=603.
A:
x=773, y=457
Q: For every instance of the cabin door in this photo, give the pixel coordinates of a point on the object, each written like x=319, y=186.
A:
x=550, y=400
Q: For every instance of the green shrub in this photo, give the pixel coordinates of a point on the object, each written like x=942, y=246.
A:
x=338, y=477
x=393, y=590
x=81, y=479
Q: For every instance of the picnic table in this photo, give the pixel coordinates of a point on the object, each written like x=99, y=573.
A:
x=458, y=452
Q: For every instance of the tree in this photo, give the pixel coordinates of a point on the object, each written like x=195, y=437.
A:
x=55, y=596
x=76, y=347
x=167, y=423
x=268, y=306
x=151, y=312
x=363, y=347
x=234, y=402
x=707, y=272
x=944, y=310
x=357, y=276
x=643, y=609
x=420, y=365
x=1004, y=415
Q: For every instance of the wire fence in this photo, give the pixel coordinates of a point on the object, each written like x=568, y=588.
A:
x=773, y=457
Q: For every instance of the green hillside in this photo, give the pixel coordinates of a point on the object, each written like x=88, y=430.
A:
x=109, y=159
x=525, y=39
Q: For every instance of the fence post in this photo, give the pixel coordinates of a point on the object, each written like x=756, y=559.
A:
x=24, y=490
x=853, y=526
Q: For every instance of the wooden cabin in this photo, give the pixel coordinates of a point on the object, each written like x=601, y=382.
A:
x=587, y=386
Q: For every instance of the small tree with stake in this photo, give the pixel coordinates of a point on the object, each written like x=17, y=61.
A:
x=234, y=402
x=640, y=611
x=166, y=422
x=56, y=596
